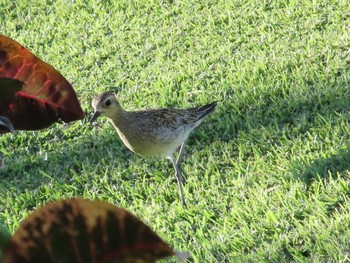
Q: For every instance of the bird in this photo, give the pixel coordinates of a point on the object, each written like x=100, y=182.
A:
x=154, y=132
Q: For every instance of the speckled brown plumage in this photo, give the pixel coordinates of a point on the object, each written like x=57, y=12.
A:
x=156, y=132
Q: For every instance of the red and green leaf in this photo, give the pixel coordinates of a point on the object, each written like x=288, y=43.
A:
x=83, y=231
x=33, y=95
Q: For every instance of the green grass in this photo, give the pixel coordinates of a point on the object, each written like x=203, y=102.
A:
x=267, y=174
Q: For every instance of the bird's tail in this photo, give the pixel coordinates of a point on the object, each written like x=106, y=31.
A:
x=205, y=110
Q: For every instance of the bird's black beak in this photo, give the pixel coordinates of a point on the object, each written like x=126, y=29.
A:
x=96, y=115
x=7, y=123
x=11, y=129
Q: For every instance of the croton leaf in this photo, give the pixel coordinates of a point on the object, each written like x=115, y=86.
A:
x=82, y=231
x=33, y=95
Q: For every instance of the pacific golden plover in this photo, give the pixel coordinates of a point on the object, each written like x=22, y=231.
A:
x=156, y=132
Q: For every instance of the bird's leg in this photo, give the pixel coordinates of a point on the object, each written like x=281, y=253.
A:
x=179, y=179
x=182, y=152
x=180, y=158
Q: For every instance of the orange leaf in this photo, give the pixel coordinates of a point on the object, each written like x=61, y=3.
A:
x=82, y=231
x=33, y=95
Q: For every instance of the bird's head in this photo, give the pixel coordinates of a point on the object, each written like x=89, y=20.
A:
x=105, y=104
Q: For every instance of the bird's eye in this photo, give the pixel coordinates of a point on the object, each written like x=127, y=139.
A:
x=108, y=102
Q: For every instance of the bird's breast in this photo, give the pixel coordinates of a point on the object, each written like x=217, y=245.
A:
x=161, y=142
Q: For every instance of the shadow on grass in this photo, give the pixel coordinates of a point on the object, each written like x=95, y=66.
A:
x=324, y=168
x=285, y=109
x=290, y=108
x=75, y=158
x=37, y=164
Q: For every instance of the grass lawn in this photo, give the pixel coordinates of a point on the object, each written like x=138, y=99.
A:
x=267, y=174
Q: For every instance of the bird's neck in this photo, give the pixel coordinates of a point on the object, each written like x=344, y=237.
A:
x=119, y=118
x=121, y=123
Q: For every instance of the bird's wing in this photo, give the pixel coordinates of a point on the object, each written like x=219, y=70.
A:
x=167, y=118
